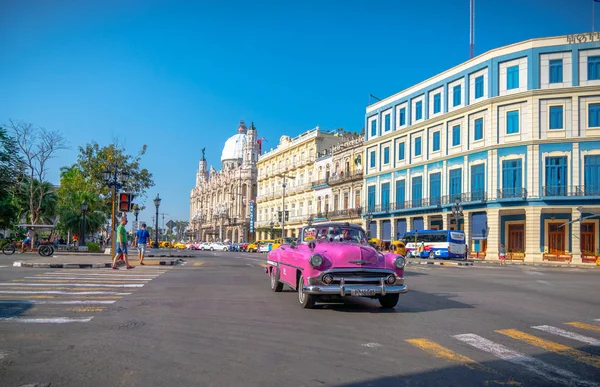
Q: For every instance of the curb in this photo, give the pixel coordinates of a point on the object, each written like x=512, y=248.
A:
x=171, y=262
x=442, y=263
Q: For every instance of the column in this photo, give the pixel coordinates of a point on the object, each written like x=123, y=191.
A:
x=533, y=230
x=467, y=224
x=426, y=224
x=445, y=224
x=575, y=237
x=379, y=231
x=409, y=220
x=393, y=221
x=493, y=239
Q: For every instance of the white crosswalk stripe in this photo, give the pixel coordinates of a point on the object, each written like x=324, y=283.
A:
x=62, y=292
x=13, y=284
x=64, y=302
x=91, y=279
x=543, y=369
x=52, y=320
x=568, y=334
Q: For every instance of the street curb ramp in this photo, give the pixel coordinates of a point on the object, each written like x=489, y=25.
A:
x=40, y=265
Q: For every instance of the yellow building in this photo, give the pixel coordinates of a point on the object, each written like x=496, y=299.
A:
x=288, y=167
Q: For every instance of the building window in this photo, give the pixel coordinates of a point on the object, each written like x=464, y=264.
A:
x=479, y=87
x=418, y=110
x=556, y=117
x=512, y=77
x=556, y=71
x=435, y=189
x=357, y=199
x=591, y=175
x=512, y=122
x=556, y=176
x=456, y=95
x=401, y=151
x=386, y=155
x=556, y=238
x=417, y=191
x=372, y=156
x=512, y=181
x=402, y=116
x=455, y=182
x=594, y=115
x=437, y=103
x=418, y=146
x=593, y=68
x=436, y=141
x=478, y=129
x=478, y=182
x=345, y=200
x=385, y=196
x=387, y=122
x=371, y=198
x=456, y=135
x=373, y=128
x=516, y=237
x=400, y=194
x=588, y=238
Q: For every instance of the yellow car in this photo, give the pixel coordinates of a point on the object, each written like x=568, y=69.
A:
x=179, y=245
x=255, y=246
x=282, y=241
x=398, y=247
x=165, y=245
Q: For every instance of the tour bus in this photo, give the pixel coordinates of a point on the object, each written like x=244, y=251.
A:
x=435, y=244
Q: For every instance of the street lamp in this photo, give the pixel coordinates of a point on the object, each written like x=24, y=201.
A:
x=271, y=224
x=114, y=179
x=283, y=212
x=84, y=208
x=136, y=211
x=157, y=200
x=310, y=220
x=457, y=211
x=369, y=219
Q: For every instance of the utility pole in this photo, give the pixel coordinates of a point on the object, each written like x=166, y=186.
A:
x=283, y=212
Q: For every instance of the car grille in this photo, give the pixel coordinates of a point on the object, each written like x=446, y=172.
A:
x=359, y=276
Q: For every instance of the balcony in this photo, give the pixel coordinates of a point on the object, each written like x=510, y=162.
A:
x=320, y=183
x=566, y=191
x=348, y=213
x=512, y=193
x=345, y=177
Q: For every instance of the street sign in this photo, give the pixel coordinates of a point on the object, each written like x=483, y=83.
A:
x=251, y=216
x=170, y=224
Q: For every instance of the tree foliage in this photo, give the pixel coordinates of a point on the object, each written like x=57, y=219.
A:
x=11, y=167
x=71, y=215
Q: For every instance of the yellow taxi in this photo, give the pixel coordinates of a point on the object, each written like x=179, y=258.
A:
x=179, y=245
x=254, y=246
x=165, y=245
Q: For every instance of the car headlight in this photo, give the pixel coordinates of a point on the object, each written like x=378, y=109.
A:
x=316, y=260
x=399, y=262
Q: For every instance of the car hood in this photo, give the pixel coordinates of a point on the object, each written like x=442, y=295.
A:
x=350, y=256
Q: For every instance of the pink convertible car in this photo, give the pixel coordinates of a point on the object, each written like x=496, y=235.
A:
x=333, y=260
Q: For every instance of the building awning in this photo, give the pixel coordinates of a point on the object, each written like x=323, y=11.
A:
x=479, y=225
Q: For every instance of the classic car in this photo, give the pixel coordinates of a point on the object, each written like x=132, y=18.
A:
x=334, y=260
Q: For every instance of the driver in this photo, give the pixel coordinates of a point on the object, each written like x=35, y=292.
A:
x=346, y=235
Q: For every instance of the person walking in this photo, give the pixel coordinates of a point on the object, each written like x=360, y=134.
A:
x=502, y=254
x=121, y=244
x=141, y=241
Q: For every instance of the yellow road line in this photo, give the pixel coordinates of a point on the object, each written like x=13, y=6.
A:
x=551, y=346
x=584, y=326
x=199, y=263
x=441, y=352
x=85, y=309
x=264, y=265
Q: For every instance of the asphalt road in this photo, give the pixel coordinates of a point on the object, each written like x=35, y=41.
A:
x=215, y=322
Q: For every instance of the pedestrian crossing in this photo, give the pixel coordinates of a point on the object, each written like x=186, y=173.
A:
x=69, y=295
x=577, y=342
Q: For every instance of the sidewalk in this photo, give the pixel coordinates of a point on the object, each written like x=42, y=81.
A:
x=87, y=261
x=478, y=262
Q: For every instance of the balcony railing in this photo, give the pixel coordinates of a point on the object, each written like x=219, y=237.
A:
x=320, y=182
x=512, y=193
x=577, y=190
x=345, y=177
x=348, y=213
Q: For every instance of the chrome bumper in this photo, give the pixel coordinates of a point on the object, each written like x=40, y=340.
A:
x=343, y=289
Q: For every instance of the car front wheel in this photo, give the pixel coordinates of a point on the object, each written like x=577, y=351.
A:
x=212, y=249
x=276, y=286
x=307, y=301
x=389, y=301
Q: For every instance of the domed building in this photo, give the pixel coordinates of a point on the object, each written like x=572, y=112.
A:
x=220, y=201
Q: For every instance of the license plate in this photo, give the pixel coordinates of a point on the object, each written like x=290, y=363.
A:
x=362, y=292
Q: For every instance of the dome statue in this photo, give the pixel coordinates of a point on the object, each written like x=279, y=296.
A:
x=234, y=148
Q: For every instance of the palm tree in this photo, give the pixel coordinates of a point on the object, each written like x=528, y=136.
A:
x=48, y=210
x=71, y=216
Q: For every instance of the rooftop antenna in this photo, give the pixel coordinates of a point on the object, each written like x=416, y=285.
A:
x=472, y=43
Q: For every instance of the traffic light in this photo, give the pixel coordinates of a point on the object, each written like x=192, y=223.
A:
x=125, y=203
x=287, y=216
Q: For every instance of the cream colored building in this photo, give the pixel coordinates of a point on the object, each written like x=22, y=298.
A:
x=219, y=203
x=293, y=162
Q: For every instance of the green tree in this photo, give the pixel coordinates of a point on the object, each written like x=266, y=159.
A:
x=71, y=216
x=11, y=167
x=46, y=210
x=180, y=226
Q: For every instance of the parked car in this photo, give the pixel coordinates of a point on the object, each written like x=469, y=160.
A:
x=265, y=247
x=179, y=245
x=205, y=246
x=193, y=246
x=218, y=246
x=334, y=260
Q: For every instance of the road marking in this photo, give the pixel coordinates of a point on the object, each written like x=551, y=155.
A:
x=530, y=272
x=91, y=279
x=16, y=296
x=52, y=320
x=545, y=370
x=371, y=345
x=85, y=309
x=67, y=302
x=551, y=346
x=543, y=282
x=17, y=281
x=59, y=292
x=3, y=355
x=568, y=334
x=99, y=275
x=584, y=326
x=74, y=285
x=200, y=263
x=441, y=352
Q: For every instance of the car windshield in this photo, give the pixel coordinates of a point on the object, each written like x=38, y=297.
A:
x=334, y=234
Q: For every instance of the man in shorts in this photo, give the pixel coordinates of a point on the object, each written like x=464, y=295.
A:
x=26, y=243
x=502, y=254
x=121, y=244
x=141, y=241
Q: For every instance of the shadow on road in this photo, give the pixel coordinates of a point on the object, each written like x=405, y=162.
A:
x=14, y=308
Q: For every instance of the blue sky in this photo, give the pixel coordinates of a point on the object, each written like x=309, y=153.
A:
x=179, y=75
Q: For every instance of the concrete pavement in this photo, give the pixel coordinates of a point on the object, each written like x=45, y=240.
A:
x=215, y=322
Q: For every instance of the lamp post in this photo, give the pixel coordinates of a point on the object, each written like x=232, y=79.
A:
x=114, y=179
x=84, y=208
x=368, y=219
x=157, y=200
x=457, y=211
x=271, y=224
x=310, y=220
x=283, y=211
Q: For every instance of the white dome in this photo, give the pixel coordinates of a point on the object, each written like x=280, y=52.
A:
x=234, y=147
